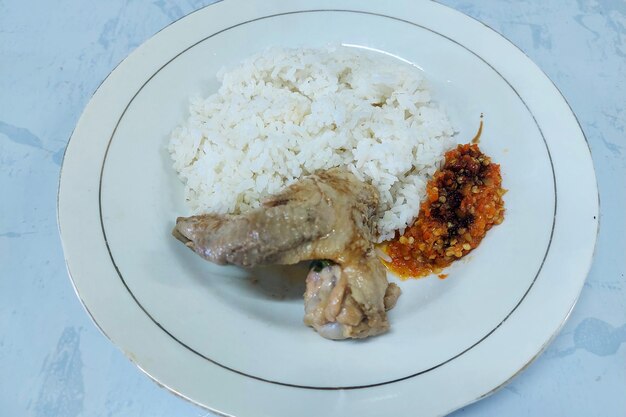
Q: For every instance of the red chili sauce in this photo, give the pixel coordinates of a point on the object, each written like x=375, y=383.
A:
x=463, y=201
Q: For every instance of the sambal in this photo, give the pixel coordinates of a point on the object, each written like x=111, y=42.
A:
x=463, y=201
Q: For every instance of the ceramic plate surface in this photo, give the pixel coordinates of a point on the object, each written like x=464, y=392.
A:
x=233, y=340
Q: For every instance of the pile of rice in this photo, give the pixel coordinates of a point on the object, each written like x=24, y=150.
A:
x=285, y=113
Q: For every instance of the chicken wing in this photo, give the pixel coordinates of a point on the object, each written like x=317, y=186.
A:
x=326, y=216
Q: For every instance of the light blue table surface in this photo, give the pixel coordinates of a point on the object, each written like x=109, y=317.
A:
x=54, y=54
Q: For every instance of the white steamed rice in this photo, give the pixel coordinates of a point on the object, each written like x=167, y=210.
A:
x=286, y=113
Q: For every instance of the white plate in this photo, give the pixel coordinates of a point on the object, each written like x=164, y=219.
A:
x=211, y=335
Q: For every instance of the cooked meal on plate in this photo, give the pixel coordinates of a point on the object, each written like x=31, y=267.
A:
x=326, y=155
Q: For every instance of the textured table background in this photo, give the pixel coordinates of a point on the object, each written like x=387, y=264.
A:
x=54, y=54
